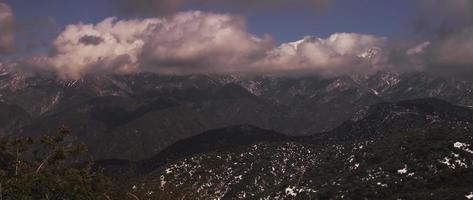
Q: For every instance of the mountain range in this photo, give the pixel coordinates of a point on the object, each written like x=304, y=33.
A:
x=389, y=135
x=141, y=114
x=414, y=149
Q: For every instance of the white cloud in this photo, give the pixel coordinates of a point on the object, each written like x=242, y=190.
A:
x=198, y=42
x=116, y=50
x=418, y=49
x=187, y=42
x=338, y=54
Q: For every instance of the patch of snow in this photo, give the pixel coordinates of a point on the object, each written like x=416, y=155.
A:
x=463, y=146
x=446, y=161
x=382, y=184
x=355, y=166
x=371, y=53
x=460, y=145
x=454, y=162
x=375, y=92
x=469, y=196
x=461, y=163
x=351, y=159
x=403, y=170
x=290, y=191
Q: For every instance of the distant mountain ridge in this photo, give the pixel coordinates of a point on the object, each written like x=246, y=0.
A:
x=155, y=111
x=404, y=116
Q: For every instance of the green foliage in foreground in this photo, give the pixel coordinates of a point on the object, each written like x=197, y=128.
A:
x=41, y=169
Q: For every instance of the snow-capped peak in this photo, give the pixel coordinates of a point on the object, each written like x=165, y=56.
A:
x=370, y=53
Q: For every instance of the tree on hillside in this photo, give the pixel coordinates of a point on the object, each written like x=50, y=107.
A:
x=45, y=169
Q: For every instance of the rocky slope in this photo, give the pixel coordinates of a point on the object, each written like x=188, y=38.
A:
x=141, y=114
x=432, y=158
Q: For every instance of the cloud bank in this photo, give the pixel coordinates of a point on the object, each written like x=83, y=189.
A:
x=188, y=42
x=198, y=42
x=7, y=37
x=341, y=53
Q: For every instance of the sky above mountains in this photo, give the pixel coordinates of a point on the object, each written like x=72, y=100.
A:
x=326, y=37
x=284, y=22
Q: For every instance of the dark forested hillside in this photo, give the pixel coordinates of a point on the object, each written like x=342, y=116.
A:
x=141, y=114
x=417, y=149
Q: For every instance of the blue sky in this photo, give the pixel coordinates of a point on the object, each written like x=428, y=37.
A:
x=383, y=18
x=349, y=36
